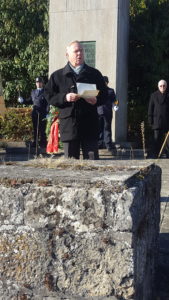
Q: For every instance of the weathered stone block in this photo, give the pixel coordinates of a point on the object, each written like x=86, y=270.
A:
x=11, y=207
x=79, y=232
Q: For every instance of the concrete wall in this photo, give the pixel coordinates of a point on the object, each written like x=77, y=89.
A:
x=103, y=21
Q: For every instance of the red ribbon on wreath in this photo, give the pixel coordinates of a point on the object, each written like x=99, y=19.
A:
x=53, y=142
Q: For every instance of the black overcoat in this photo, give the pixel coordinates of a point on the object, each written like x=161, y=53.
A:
x=158, y=111
x=79, y=119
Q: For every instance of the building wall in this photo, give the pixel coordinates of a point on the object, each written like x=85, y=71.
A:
x=106, y=23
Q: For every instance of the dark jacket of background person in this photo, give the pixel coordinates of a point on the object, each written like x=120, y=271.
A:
x=105, y=119
x=158, y=111
x=39, y=112
x=38, y=100
x=107, y=107
x=79, y=119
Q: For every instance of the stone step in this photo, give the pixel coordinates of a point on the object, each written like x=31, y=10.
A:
x=124, y=153
x=120, y=151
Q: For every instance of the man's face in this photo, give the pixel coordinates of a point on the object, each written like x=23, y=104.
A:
x=162, y=86
x=39, y=84
x=75, y=54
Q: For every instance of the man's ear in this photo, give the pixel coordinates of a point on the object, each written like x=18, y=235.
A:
x=67, y=55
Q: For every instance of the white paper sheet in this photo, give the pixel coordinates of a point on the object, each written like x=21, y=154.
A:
x=86, y=90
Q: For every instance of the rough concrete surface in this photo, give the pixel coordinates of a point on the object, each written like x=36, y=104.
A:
x=79, y=231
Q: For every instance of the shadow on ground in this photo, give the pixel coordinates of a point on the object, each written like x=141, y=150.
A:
x=162, y=275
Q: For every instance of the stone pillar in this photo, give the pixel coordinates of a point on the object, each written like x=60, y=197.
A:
x=102, y=25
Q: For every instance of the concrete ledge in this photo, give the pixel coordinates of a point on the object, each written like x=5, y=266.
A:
x=79, y=231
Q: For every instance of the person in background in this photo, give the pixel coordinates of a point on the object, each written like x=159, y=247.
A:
x=158, y=116
x=105, y=119
x=78, y=116
x=39, y=112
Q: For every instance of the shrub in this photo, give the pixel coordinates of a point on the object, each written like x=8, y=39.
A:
x=16, y=125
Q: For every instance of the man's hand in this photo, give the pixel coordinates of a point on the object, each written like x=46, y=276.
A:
x=72, y=97
x=91, y=101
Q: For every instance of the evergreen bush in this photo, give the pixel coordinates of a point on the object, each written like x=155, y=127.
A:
x=16, y=125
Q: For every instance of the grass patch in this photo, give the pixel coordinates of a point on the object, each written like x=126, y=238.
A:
x=62, y=163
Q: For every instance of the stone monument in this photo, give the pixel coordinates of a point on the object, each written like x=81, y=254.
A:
x=102, y=27
x=73, y=231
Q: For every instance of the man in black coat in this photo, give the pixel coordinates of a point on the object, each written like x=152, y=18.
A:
x=158, y=115
x=105, y=119
x=39, y=112
x=78, y=116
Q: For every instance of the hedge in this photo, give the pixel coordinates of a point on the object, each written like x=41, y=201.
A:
x=16, y=125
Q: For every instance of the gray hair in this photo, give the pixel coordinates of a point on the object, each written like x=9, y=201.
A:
x=74, y=42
